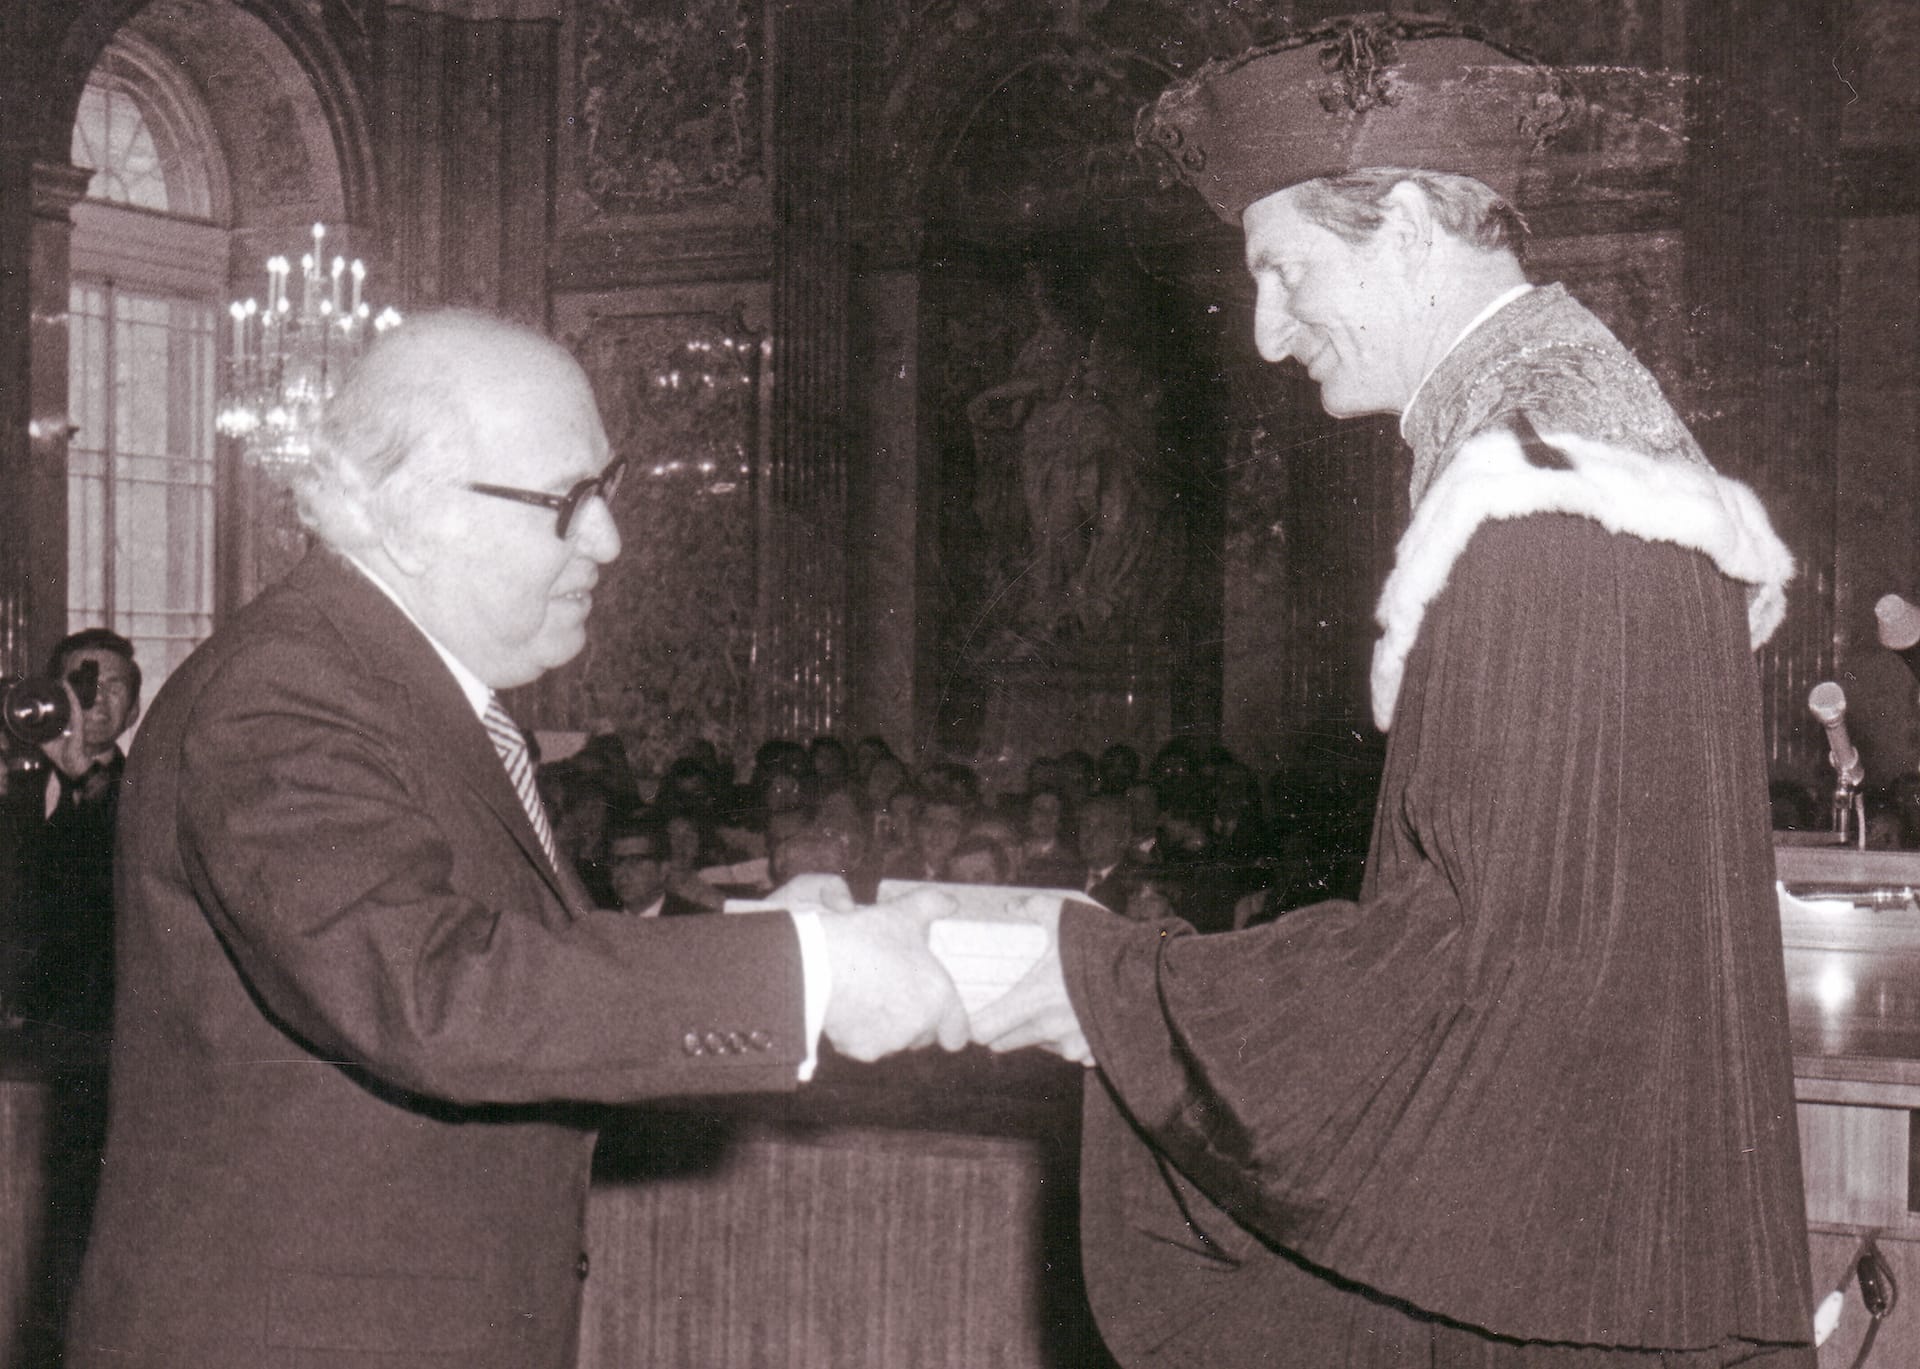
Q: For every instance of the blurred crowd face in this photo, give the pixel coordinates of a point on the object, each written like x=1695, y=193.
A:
x=1103, y=833
x=683, y=843
x=1043, y=818
x=809, y=851
x=1119, y=768
x=783, y=793
x=937, y=832
x=638, y=873
x=893, y=821
x=838, y=817
x=977, y=865
x=580, y=824
x=1143, y=810
x=885, y=778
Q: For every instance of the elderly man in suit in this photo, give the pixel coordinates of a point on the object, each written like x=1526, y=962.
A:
x=354, y=979
x=1528, y=1102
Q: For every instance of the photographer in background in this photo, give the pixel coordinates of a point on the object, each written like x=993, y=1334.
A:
x=61, y=808
x=62, y=818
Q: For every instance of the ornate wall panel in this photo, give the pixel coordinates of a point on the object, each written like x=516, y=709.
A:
x=670, y=654
x=663, y=142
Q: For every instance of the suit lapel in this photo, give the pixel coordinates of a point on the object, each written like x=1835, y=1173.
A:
x=440, y=715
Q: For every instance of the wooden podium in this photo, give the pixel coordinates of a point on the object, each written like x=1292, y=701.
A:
x=1850, y=924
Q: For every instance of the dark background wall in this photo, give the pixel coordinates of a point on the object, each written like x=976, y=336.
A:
x=842, y=223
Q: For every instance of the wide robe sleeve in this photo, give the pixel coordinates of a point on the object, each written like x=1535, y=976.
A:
x=1538, y=1079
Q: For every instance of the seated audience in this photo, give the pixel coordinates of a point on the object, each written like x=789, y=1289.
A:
x=941, y=822
x=807, y=850
x=883, y=779
x=890, y=838
x=578, y=807
x=980, y=858
x=1110, y=876
x=1048, y=858
x=1143, y=822
x=1118, y=768
x=637, y=869
x=1079, y=776
x=690, y=849
x=829, y=767
x=952, y=783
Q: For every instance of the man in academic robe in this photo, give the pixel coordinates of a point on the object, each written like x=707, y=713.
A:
x=1528, y=1101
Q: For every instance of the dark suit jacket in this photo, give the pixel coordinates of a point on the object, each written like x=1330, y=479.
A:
x=65, y=899
x=349, y=982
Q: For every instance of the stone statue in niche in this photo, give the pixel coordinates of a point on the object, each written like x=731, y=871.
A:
x=1080, y=546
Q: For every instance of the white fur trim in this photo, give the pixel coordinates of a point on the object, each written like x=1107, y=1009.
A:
x=1624, y=491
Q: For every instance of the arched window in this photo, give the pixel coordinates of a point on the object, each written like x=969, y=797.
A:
x=148, y=271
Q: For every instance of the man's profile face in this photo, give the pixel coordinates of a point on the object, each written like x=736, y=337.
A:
x=502, y=590
x=1329, y=304
x=114, y=707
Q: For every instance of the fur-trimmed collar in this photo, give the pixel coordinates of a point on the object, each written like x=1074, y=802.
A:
x=1624, y=491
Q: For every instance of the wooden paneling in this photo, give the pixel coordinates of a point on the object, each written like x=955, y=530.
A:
x=819, y=1249
x=1854, y=1161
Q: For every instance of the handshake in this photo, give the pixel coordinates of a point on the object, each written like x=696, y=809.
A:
x=892, y=991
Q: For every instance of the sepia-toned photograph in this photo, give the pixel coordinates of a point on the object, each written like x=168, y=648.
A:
x=959, y=684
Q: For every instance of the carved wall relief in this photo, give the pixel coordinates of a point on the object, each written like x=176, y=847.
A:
x=666, y=107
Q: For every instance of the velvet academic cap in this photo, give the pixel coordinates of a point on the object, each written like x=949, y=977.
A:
x=1369, y=90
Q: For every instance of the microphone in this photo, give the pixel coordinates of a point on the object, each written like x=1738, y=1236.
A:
x=1828, y=703
x=1898, y=624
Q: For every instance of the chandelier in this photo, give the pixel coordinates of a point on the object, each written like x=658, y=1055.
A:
x=286, y=358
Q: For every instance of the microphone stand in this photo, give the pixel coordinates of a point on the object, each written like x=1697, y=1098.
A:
x=1849, y=812
x=1828, y=704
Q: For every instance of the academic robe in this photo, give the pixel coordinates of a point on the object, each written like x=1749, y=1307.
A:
x=1531, y=1096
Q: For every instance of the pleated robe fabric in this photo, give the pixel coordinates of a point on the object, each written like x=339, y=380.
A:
x=1529, y=1102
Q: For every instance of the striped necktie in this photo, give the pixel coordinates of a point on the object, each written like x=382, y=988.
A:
x=512, y=746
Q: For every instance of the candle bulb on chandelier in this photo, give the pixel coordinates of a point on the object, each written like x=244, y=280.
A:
x=284, y=373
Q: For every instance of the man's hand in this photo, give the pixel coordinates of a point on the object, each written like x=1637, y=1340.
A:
x=889, y=993
x=1036, y=1011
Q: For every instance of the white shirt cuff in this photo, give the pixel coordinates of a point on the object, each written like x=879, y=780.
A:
x=816, y=972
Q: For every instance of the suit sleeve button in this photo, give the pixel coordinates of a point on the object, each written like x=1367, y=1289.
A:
x=691, y=1044
x=759, y=1040
x=716, y=1043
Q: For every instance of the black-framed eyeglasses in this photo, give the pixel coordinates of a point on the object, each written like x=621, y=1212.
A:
x=566, y=507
